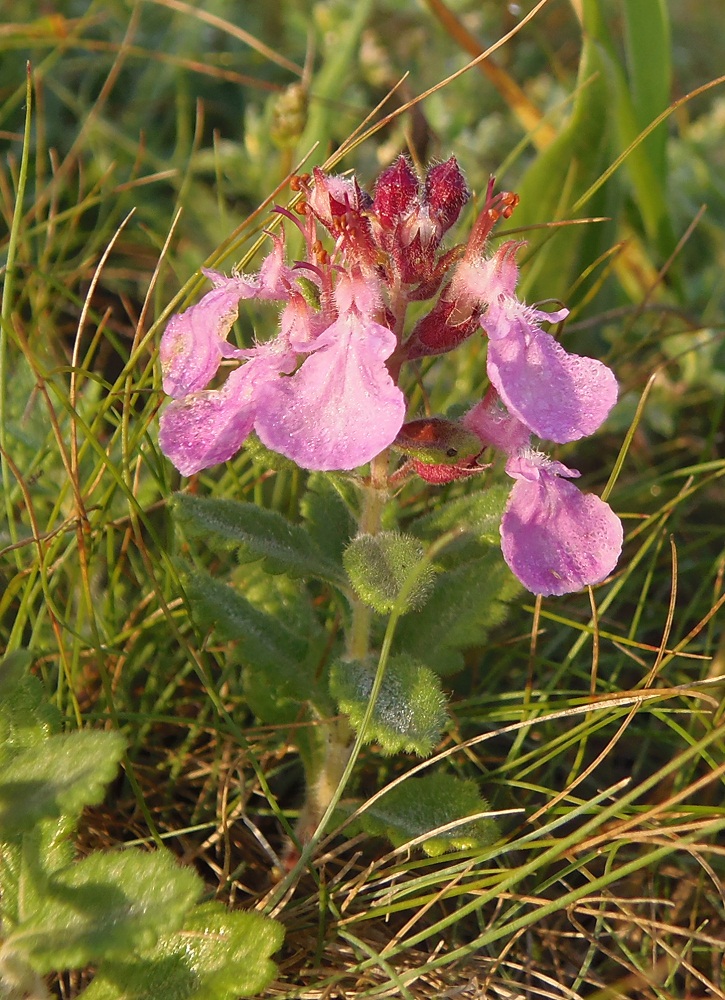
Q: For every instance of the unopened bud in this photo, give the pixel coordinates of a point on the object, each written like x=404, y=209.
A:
x=446, y=326
x=445, y=192
x=396, y=191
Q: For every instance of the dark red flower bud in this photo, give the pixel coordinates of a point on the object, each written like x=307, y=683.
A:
x=396, y=192
x=446, y=326
x=445, y=193
x=439, y=475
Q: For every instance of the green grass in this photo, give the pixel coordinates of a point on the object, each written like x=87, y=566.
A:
x=148, y=145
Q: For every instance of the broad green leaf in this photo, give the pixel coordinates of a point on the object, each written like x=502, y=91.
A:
x=59, y=776
x=421, y=806
x=409, y=713
x=26, y=717
x=465, y=604
x=476, y=515
x=257, y=533
x=108, y=904
x=262, y=638
x=29, y=862
x=216, y=955
x=328, y=517
x=388, y=568
x=280, y=665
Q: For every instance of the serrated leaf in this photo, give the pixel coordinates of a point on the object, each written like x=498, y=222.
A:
x=464, y=605
x=387, y=569
x=26, y=717
x=108, y=904
x=27, y=863
x=59, y=776
x=409, y=713
x=420, y=806
x=258, y=533
x=217, y=955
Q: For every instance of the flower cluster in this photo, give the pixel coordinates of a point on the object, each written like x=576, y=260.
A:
x=324, y=392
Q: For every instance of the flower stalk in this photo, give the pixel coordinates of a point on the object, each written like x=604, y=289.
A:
x=328, y=390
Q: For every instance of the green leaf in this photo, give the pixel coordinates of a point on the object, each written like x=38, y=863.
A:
x=26, y=718
x=258, y=533
x=108, y=904
x=409, y=713
x=262, y=637
x=280, y=665
x=27, y=864
x=388, y=568
x=476, y=515
x=465, y=604
x=420, y=806
x=328, y=516
x=59, y=776
x=216, y=955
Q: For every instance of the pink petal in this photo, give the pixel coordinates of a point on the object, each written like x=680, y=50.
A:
x=272, y=281
x=210, y=426
x=495, y=426
x=341, y=408
x=559, y=396
x=557, y=540
x=300, y=325
x=193, y=343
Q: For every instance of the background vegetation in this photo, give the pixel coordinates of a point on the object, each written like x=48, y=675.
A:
x=158, y=129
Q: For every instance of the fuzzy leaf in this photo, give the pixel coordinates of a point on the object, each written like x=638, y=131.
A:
x=216, y=955
x=328, y=517
x=107, y=904
x=280, y=665
x=60, y=776
x=409, y=712
x=263, y=638
x=26, y=718
x=258, y=533
x=465, y=604
x=476, y=515
x=422, y=805
x=380, y=566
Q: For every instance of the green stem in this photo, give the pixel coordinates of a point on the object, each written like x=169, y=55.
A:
x=330, y=771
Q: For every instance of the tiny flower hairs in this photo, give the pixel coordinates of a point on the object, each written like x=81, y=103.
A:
x=325, y=391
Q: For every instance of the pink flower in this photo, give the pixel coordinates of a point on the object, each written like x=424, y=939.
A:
x=338, y=409
x=555, y=539
x=195, y=341
x=341, y=408
x=208, y=427
x=558, y=396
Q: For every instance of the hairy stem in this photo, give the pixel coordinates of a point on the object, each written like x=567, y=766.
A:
x=336, y=736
